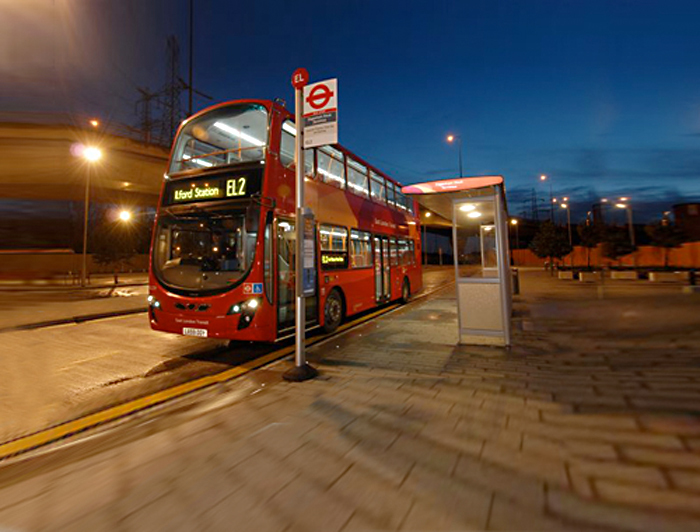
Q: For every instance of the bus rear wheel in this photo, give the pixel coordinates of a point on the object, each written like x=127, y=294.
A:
x=405, y=291
x=332, y=311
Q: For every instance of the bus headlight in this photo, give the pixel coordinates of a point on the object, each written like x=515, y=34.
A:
x=246, y=309
x=153, y=302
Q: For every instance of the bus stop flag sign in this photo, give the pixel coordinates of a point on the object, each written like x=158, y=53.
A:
x=321, y=113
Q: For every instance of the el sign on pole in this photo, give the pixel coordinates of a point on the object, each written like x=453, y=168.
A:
x=321, y=113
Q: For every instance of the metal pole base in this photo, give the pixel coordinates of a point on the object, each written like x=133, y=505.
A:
x=300, y=373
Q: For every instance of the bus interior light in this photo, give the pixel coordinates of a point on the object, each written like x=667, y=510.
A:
x=474, y=214
x=233, y=131
x=468, y=207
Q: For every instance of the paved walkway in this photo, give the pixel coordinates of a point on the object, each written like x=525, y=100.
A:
x=589, y=423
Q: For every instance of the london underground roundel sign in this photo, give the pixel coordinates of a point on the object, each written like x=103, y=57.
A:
x=300, y=78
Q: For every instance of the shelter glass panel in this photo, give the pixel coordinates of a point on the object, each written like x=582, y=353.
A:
x=476, y=239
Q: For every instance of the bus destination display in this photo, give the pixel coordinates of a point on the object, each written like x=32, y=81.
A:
x=210, y=189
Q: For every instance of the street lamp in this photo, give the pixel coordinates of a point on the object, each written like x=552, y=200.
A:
x=514, y=223
x=94, y=122
x=628, y=208
x=125, y=216
x=551, y=197
x=568, y=220
x=91, y=155
x=425, y=240
x=568, y=223
x=451, y=139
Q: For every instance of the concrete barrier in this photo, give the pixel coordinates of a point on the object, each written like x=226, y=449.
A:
x=624, y=274
x=589, y=277
x=566, y=274
x=668, y=277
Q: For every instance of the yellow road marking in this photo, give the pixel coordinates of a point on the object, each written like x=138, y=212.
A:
x=69, y=428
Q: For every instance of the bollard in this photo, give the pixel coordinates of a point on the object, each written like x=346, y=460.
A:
x=516, y=281
x=691, y=277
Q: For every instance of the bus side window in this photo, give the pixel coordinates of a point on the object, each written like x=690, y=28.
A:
x=390, y=197
x=357, y=178
x=360, y=249
x=287, y=143
x=330, y=166
x=288, y=147
x=393, y=252
x=378, y=188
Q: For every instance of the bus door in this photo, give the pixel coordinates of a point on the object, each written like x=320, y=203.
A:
x=382, y=269
x=286, y=304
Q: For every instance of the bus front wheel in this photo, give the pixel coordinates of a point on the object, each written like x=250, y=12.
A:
x=332, y=311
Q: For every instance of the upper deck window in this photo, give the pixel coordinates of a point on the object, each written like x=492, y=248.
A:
x=357, y=178
x=330, y=167
x=390, y=193
x=288, y=145
x=378, y=188
x=228, y=135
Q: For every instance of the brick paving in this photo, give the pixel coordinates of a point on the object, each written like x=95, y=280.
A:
x=589, y=423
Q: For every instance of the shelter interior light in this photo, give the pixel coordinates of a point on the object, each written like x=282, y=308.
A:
x=620, y=205
x=468, y=207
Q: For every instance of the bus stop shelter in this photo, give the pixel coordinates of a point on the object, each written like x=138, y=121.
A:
x=476, y=207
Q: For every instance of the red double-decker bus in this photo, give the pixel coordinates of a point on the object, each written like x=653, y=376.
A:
x=222, y=260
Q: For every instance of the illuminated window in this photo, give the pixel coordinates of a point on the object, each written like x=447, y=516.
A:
x=390, y=193
x=330, y=167
x=378, y=188
x=360, y=249
x=357, y=178
x=334, y=247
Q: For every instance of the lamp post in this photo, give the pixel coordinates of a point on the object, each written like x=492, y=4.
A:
x=628, y=208
x=566, y=207
x=626, y=205
x=514, y=223
x=451, y=139
x=91, y=155
x=425, y=241
x=551, y=197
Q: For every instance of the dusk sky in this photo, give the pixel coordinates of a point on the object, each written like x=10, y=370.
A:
x=603, y=96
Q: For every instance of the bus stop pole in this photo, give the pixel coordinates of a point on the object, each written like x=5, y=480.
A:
x=301, y=370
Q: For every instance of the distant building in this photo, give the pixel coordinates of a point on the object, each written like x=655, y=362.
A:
x=687, y=217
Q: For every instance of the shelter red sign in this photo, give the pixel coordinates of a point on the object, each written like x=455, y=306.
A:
x=453, y=185
x=300, y=78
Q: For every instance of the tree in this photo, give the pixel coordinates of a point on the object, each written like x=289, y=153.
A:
x=665, y=235
x=591, y=235
x=616, y=243
x=550, y=241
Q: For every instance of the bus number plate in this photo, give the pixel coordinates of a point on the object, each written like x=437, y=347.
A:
x=189, y=331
